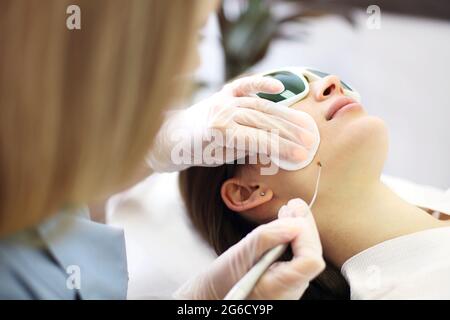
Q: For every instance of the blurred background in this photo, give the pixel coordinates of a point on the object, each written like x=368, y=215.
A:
x=398, y=60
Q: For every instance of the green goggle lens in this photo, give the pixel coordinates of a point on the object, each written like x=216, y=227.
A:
x=293, y=86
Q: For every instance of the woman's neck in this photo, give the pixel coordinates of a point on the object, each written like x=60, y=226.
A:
x=354, y=218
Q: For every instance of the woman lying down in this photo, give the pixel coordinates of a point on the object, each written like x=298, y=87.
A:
x=376, y=246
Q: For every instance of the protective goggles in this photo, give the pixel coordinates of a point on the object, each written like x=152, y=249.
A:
x=296, y=83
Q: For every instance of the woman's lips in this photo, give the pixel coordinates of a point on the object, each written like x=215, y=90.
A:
x=338, y=105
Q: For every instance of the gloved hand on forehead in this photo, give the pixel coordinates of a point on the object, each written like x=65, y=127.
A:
x=283, y=280
x=207, y=133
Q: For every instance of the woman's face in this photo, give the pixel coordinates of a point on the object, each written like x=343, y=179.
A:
x=351, y=140
x=353, y=148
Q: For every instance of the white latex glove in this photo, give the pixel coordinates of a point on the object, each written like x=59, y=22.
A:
x=283, y=280
x=232, y=111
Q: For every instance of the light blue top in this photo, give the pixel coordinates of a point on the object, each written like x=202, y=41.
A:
x=67, y=257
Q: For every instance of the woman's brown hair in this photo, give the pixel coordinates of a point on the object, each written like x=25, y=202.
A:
x=79, y=108
x=222, y=228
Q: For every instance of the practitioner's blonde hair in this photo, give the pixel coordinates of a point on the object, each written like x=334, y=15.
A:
x=79, y=108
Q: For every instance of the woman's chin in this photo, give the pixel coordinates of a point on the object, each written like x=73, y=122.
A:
x=360, y=145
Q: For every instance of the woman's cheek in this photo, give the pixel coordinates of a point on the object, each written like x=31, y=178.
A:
x=294, y=184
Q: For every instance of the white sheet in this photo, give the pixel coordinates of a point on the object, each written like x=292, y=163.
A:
x=420, y=195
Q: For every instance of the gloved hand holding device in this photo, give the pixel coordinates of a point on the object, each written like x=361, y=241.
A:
x=283, y=280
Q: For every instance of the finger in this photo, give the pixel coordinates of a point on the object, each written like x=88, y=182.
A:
x=308, y=243
x=291, y=278
x=298, y=117
x=276, y=284
x=306, y=248
x=296, y=273
x=307, y=262
x=256, y=141
x=285, y=128
x=254, y=84
x=250, y=249
x=255, y=103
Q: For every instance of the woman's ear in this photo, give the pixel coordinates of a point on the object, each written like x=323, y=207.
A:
x=240, y=196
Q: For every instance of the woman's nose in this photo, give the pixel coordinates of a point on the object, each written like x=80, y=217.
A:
x=328, y=87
